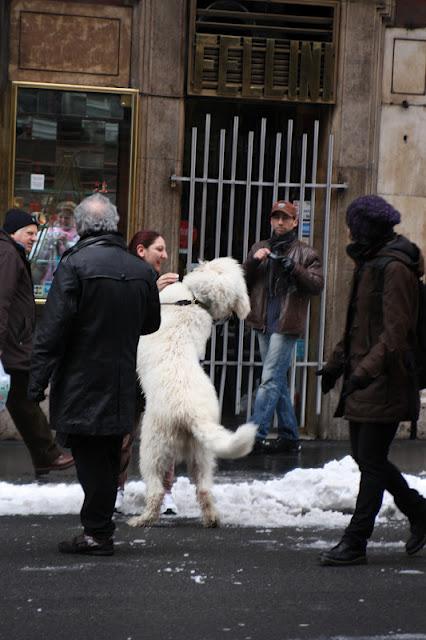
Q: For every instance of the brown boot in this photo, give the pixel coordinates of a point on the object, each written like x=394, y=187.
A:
x=62, y=462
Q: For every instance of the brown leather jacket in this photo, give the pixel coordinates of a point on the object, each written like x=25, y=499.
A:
x=378, y=344
x=17, y=307
x=306, y=280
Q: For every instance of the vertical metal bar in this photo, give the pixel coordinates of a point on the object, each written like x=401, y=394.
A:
x=248, y=195
x=257, y=236
x=191, y=198
x=251, y=374
x=219, y=206
x=232, y=190
x=311, y=239
x=224, y=366
x=326, y=238
x=301, y=200
x=245, y=251
x=278, y=142
x=314, y=180
x=288, y=158
x=302, y=183
x=229, y=253
x=205, y=185
x=260, y=176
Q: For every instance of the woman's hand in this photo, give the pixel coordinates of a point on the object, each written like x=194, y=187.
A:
x=166, y=279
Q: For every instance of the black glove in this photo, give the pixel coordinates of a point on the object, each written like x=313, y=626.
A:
x=287, y=264
x=328, y=380
x=36, y=395
x=354, y=384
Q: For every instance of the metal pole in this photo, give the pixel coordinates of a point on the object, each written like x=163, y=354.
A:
x=321, y=332
x=191, y=198
x=245, y=251
x=205, y=184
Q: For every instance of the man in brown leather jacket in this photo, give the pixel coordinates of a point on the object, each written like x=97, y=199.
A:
x=282, y=273
x=17, y=322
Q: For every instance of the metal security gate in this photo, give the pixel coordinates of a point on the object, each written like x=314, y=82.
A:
x=226, y=200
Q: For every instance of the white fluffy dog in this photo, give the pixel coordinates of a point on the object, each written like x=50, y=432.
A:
x=181, y=420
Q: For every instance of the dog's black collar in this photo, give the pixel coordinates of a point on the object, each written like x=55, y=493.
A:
x=184, y=303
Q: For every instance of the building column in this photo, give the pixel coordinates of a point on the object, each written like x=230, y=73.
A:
x=355, y=123
x=159, y=73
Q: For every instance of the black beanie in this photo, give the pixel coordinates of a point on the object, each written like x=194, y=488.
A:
x=16, y=219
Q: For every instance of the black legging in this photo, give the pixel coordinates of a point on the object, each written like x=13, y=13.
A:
x=370, y=442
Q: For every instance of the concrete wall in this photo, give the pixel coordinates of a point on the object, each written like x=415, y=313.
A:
x=402, y=156
x=355, y=123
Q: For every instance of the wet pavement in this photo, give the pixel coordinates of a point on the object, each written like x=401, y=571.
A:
x=409, y=455
x=179, y=581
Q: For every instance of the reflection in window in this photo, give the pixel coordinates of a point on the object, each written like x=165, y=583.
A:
x=69, y=144
x=54, y=238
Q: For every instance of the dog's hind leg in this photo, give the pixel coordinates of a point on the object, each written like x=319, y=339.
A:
x=201, y=466
x=154, y=497
x=154, y=465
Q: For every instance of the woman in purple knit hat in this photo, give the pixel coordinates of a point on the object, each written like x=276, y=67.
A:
x=376, y=358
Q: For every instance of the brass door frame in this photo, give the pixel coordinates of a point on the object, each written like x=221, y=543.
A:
x=128, y=95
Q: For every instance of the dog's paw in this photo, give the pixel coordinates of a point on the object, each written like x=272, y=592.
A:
x=211, y=523
x=138, y=521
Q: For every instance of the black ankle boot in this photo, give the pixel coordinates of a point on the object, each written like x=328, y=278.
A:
x=343, y=554
x=417, y=540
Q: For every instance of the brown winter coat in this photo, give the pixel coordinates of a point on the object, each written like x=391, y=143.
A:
x=306, y=280
x=17, y=307
x=380, y=342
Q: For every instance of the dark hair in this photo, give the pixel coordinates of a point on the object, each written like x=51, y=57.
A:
x=145, y=237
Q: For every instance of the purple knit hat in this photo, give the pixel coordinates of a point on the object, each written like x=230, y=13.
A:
x=371, y=217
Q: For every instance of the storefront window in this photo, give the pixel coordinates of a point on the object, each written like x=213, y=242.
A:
x=70, y=143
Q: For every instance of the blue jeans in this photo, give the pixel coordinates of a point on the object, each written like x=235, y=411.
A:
x=273, y=394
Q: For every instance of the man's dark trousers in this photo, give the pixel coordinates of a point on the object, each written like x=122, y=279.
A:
x=97, y=461
x=370, y=442
x=30, y=421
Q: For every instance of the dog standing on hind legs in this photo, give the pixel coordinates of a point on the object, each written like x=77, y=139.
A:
x=181, y=420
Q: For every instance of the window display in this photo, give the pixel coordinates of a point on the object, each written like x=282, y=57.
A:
x=69, y=143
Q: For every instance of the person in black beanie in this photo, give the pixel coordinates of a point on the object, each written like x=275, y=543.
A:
x=376, y=360
x=17, y=323
x=282, y=274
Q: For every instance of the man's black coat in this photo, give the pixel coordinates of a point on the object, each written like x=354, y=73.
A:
x=101, y=300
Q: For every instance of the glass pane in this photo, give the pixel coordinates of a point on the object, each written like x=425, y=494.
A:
x=69, y=144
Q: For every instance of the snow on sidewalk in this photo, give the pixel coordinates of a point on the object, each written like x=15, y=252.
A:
x=321, y=497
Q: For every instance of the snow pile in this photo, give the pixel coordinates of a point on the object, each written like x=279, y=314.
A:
x=302, y=498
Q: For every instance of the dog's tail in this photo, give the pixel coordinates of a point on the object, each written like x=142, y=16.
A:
x=223, y=442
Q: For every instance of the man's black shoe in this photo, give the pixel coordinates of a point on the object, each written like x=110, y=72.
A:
x=263, y=445
x=286, y=445
x=87, y=545
x=417, y=540
x=343, y=554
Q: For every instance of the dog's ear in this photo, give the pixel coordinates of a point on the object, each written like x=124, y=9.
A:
x=242, y=306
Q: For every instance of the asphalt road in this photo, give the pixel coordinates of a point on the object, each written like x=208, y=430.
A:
x=179, y=581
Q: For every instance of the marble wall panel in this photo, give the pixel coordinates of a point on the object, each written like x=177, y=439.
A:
x=70, y=43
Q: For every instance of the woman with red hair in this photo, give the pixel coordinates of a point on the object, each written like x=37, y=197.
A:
x=150, y=246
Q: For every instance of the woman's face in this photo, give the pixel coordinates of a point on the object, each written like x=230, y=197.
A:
x=155, y=254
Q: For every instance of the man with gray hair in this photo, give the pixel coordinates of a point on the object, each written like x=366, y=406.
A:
x=101, y=300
